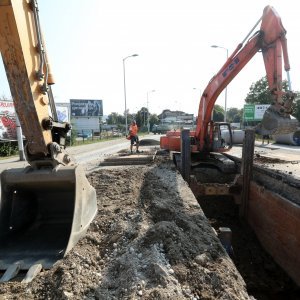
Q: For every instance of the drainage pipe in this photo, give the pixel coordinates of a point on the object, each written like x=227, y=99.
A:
x=289, y=139
x=237, y=136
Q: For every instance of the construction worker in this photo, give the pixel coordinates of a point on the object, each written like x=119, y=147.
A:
x=265, y=137
x=133, y=129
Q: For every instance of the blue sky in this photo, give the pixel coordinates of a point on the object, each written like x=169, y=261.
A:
x=87, y=41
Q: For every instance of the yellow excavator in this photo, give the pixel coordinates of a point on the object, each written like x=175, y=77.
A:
x=46, y=207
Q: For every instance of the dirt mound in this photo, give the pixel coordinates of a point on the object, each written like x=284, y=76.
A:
x=145, y=243
x=258, y=158
x=149, y=142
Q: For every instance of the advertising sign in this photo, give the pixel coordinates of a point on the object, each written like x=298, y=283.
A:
x=86, y=108
x=63, y=112
x=249, y=112
x=7, y=121
x=254, y=112
x=260, y=110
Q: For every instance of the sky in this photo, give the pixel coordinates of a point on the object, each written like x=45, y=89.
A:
x=88, y=40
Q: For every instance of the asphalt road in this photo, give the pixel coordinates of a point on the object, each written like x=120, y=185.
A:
x=91, y=155
x=282, y=158
x=87, y=155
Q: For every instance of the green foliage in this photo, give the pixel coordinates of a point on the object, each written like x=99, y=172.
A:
x=218, y=113
x=141, y=118
x=154, y=119
x=8, y=149
x=115, y=118
x=260, y=93
x=296, y=109
x=234, y=115
x=71, y=139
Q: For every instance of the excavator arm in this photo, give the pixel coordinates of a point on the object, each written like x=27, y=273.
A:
x=30, y=79
x=271, y=41
x=46, y=207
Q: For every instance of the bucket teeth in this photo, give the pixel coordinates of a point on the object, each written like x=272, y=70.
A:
x=33, y=271
x=11, y=272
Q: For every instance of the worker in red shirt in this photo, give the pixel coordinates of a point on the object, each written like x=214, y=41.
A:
x=133, y=129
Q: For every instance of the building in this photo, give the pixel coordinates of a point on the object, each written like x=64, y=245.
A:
x=177, y=118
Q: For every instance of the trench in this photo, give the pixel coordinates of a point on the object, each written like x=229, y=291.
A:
x=263, y=277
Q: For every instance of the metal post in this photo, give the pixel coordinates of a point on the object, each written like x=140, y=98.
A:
x=185, y=155
x=124, y=76
x=246, y=170
x=225, y=113
x=126, y=132
x=148, y=123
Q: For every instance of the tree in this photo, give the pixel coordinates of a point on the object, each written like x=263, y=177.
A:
x=154, y=119
x=218, y=113
x=260, y=93
x=115, y=119
x=234, y=115
x=141, y=117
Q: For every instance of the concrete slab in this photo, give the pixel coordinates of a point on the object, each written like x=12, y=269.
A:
x=124, y=157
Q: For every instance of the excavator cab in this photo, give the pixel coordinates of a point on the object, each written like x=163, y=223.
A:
x=219, y=143
x=46, y=207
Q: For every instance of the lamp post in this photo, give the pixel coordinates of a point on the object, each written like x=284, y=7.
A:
x=126, y=125
x=148, y=124
x=225, y=114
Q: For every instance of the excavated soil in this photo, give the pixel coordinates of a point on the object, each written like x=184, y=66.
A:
x=264, y=278
x=145, y=243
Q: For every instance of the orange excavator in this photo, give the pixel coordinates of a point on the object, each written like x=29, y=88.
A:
x=271, y=41
x=46, y=207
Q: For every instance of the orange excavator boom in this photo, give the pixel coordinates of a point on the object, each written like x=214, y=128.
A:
x=270, y=39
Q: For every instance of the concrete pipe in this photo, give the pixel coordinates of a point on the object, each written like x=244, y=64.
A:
x=237, y=136
x=289, y=139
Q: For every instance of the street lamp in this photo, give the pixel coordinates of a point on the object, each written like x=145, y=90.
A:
x=126, y=125
x=148, y=124
x=225, y=114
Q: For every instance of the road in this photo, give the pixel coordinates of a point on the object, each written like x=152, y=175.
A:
x=87, y=155
x=282, y=158
x=90, y=155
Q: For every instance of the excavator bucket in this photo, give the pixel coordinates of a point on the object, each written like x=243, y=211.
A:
x=274, y=123
x=43, y=213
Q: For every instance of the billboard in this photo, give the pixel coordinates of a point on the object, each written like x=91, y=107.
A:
x=63, y=112
x=249, y=112
x=86, y=108
x=8, y=128
x=254, y=112
x=260, y=110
